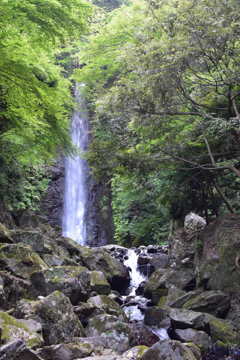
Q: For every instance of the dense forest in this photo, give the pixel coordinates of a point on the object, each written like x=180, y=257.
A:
x=162, y=86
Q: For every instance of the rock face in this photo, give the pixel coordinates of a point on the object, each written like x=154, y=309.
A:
x=52, y=201
x=217, y=261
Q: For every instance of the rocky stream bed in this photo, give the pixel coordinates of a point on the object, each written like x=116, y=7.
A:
x=63, y=301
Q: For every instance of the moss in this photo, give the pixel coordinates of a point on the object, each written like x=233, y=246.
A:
x=221, y=330
x=14, y=329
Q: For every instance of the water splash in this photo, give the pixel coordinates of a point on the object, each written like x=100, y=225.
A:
x=76, y=175
x=136, y=277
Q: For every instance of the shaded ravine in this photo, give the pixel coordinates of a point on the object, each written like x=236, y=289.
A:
x=76, y=175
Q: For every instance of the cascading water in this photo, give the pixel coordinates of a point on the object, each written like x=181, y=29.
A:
x=76, y=175
x=133, y=312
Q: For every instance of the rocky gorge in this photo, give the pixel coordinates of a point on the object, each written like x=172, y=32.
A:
x=63, y=301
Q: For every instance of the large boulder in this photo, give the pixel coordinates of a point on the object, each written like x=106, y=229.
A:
x=183, y=319
x=99, y=283
x=99, y=259
x=218, y=329
x=169, y=350
x=55, y=312
x=116, y=332
x=214, y=302
x=218, y=257
x=12, y=329
x=20, y=260
x=109, y=306
x=12, y=289
x=73, y=281
x=17, y=350
x=161, y=280
x=199, y=338
x=70, y=351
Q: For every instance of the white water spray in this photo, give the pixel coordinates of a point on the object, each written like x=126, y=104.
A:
x=76, y=175
x=136, y=277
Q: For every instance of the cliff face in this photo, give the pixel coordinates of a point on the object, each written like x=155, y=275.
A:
x=99, y=212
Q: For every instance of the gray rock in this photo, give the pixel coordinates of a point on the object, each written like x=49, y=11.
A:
x=214, y=302
x=169, y=350
x=154, y=316
x=73, y=281
x=116, y=332
x=183, y=319
x=66, y=351
x=199, y=338
x=17, y=350
x=109, y=306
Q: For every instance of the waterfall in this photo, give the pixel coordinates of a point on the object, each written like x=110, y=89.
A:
x=76, y=175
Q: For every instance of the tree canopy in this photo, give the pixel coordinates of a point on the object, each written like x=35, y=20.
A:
x=163, y=80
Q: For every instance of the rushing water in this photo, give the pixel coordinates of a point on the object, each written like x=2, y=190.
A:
x=76, y=175
x=136, y=277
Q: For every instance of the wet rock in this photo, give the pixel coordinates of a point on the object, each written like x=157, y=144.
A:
x=199, y=338
x=73, y=281
x=169, y=350
x=13, y=329
x=70, y=351
x=218, y=255
x=20, y=260
x=116, y=332
x=213, y=302
x=109, y=306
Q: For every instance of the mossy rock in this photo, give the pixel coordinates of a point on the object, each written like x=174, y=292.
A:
x=169, y=350
x=20, y=260
x=13, y=329
x=99, y=283
x=214, y=302
x=135, y=353
x=60, y=323
x=116, y=332
x=109, y=306
x=218, y=263
x=222, y=330
x=33, y=238
x=66, y=351
x=73, y=281
x=161, y=280
x=199, y=338
x=98, y=259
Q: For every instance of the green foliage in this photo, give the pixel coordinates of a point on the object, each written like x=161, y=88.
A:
x=22, y=187
x=140, y=214
x=35, y=98
x=163, y=82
